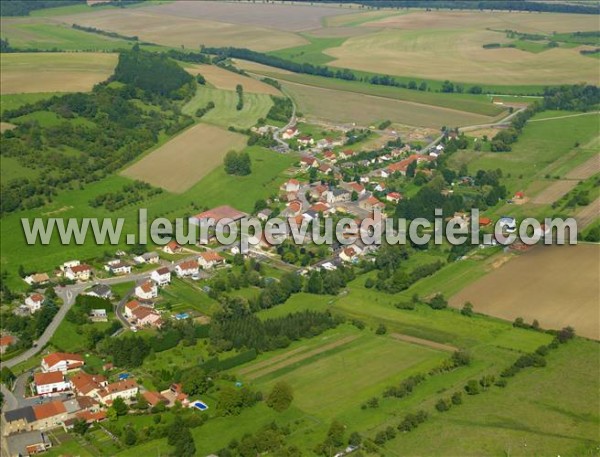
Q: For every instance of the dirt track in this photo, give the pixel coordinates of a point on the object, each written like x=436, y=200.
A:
x=422, y=342
x=300, y=357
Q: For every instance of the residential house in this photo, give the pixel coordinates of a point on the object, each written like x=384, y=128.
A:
x=162, y=276
x=34, y=302
x=346, y=154
x=350, y=254
x=171, y=248
x=210, y=259
x=100, y=291
x=129, y=307
x=187, y=268
x=330, y=157
x=61, y=361
x=146, y=317
x=338, y=195
x=69, y=264
x=78, y=272
x=51, y=382
x=308, y=162
x=264, y=214
x=5, y=342
x=28, y=443
x=117, y=267
x=148, y=257
x=290, y=133
x=371, y=203
x=305, y=141
x=393, y=197
x=325, y=169
x=125, y=389
x=98, y=315
x=37, y=279
x=146, y=290
x=291, y=186
x=155, y=398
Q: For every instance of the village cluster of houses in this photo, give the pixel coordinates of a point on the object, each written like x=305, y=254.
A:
x=90, y=396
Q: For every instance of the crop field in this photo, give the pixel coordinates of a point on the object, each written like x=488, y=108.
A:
x=148, y=23
x=44, y=34
x=477, y=104
x=56, y=72
x=224, y=113
x=420, y=43
x=345, y=107
x=182, y=162
x=544, y=284
x=228, y=80
x=290, y=17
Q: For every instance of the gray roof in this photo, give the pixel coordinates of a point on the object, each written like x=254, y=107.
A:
x=100, y=290
x=17, y=444
x=25, y=413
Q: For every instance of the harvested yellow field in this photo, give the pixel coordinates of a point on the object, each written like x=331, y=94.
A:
x=349, y=107
x=557, y=285
x=228, y=80
x=171, y=30
x=420, y=44
x=54, y=72
x=182, y=162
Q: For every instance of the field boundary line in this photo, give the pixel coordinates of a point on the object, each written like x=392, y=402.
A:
x=423, y=342
x=299, y=358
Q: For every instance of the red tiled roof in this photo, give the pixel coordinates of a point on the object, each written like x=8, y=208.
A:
x=42, y=379
x=211, y=256
x=7, y=340
x=221, y=212
x=46, y=410
x=56, y=357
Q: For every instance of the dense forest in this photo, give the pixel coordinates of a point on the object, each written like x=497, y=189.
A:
x=153, y=72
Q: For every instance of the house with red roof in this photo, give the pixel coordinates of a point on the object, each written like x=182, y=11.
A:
x=5, y=342
x=210, y=259
x=146, y=290
x=78, y=272
x=187, y=268
x=51, y=382
x=393, y=197
x=172, y=247
x=34, y=302
x=162, y=276
x=61, y=361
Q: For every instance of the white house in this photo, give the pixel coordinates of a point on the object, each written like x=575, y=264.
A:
x=147, y=290
x=34, y=302
x=117, y=267
x=78, y=272
x=210, y=259
x=187, y=268
x=126, y=389
x=162, y=276
x=61, y=361
x=350, y=254
x=46, y=383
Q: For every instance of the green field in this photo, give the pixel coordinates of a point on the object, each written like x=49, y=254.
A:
x=224, y=113
x=478, y=104
x=217, y=188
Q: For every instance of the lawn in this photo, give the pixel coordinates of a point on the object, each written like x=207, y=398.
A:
x=224, y=113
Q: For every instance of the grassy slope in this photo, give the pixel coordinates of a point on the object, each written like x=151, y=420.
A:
x=479, y=104
x=224, y=113
x=217, y=188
